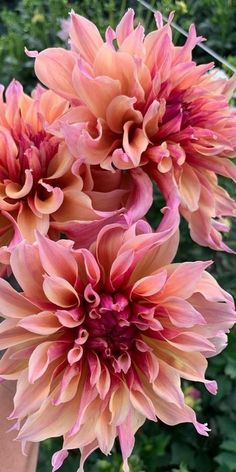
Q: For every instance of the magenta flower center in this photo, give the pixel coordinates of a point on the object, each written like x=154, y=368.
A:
x=35, y=151
x=110, y=327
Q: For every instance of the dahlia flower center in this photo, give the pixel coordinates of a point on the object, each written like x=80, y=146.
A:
x=109, y=326
x=35, y=151
x=21, y=173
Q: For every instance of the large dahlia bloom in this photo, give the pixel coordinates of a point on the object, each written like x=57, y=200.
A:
x=100, y=339
x=141, y=101
x=41, y=185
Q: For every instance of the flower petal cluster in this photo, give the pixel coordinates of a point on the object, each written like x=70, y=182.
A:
x=100, y=338
x=142, y=101
x=106, y=326
x=41, y=185
x=32, y=160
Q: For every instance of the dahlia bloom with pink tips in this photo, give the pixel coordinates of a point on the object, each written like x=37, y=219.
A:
x=99, y=339
x=142, y=101
x=41, y=185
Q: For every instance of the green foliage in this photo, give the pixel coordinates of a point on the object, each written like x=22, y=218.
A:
x=35, y=24
x=159, y=448
x=214, y=19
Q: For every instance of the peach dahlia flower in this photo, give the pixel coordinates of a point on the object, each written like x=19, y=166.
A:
x=141, y=101
x=100, y=339
x=41, y=186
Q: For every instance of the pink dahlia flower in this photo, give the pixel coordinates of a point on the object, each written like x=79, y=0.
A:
x=42, y=185
x=141, y=101
x=100, y=339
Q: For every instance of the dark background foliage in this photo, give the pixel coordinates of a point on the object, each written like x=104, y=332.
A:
x=35, y=24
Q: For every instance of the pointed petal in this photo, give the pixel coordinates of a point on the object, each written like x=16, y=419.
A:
x=85, y=37
x=13, y=304
x=54, y=67
x=56, y=259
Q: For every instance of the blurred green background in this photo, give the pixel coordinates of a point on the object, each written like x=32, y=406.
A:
x=36, y=24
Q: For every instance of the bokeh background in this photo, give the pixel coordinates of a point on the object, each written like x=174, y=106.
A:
x=36, y=25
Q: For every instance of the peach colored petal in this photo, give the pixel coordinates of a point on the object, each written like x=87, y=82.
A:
x=59, y=291
x=85, y=37
x=133, y=43
x=43, y=323
x=190, y=188
x=54, y=67
x=53, y=200
x=13, y=304
x=28, y=222
x=57, y=259
x=105, y=432
x=152, y=118
x=171, y=414
x=55, y=421
x=69, y=385
x=96, y=92
x=167, y=385
x=119, y=111
x=15, y=191
x=30, y=278
x=108, y=245
x=76, y=206
x=10, y=367
x=11, y=335
x=60, y=163
x=58, y=108
x=119, y=66
x=149, y=285
x=37, y=392
x=176, y=282
x=119, y=405
x=42, y=356
x=142, y=404
x=135, y=147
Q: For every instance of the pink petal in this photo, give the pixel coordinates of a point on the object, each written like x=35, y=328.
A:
x=58, y=458
x=125, y=27
x=126, y=432
x=182, y=313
